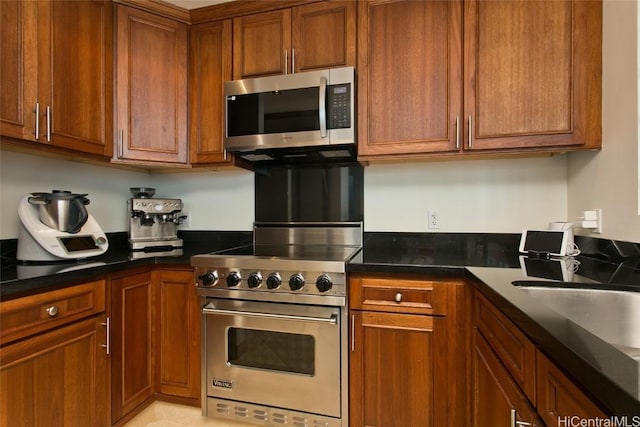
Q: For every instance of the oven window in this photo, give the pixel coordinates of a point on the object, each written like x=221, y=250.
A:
x=276, y=351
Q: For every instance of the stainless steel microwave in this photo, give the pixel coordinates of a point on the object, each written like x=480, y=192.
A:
x=311, y=109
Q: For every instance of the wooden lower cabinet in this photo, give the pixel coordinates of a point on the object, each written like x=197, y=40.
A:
x=133, y=314
x=559, y=398
x=393, y=373
x=407, y=367
x=155, y=340
x=57, y=378
x=513, y=378
x=496, y=396
x=178, y=336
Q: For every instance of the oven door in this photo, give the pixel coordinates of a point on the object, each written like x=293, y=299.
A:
x=273, y=354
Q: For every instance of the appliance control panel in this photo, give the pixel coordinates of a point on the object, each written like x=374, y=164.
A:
x=156, y=206
x=339, y=106
x=305, y=282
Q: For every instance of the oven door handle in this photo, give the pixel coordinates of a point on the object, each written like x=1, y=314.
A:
x=333, y=320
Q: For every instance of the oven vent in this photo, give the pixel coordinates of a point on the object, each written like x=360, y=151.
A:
x=267, y=416
x=278, y=418
x=222, y=409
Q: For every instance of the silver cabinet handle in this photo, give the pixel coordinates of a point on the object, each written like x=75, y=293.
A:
x=107, y=324
x=353, y=333
x=333, y=320
x=516, y=423
x=470, y=132
x=286, y=61
x=398, y=297
x=322, y=106
x=293, y=61
x=52, y=311
x=37, y=121
x=457, y=132
x=48, y=123
x=121, y=144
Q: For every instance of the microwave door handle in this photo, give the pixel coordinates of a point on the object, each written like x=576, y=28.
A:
x=322, y=107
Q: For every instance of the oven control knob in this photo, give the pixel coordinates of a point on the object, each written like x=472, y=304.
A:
x=296, y=282
x=324, y=283
x=233, y=279
x=274, y=281
x=209, y=278
x=254, y=280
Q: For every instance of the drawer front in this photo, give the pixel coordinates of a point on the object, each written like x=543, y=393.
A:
x=512, y=347
x=398, y=296
x=36, y=313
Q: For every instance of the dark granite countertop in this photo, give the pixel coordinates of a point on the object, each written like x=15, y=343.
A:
x=18, y=279
x=490, y=261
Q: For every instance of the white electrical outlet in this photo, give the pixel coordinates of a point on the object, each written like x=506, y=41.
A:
x=433, y=220
x=186, y=219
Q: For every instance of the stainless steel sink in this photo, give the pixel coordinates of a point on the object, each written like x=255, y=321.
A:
x=611, y=315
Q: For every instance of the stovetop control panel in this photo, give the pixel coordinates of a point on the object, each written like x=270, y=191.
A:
x=282, y=281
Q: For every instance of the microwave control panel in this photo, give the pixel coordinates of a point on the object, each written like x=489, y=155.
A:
x=339, y=113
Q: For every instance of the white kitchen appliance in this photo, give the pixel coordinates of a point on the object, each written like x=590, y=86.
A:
x=40, y=242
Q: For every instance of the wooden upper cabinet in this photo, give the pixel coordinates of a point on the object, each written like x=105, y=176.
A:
x=409, y=77
x=261, y=44
x=209, y=67
x=304, y=38
x=18, y=44
x=533, y=74
x=61, y=62
x=323, y=35
x=531, y=81
x=151, y=90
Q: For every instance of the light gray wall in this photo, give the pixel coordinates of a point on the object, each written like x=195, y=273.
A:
x=609, y=179
x=481, y=196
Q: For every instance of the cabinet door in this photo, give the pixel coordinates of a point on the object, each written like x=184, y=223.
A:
x=19, y=66
x=262, y=44
x=323, y=35
x=496, y=398
x=409, y=77
x=58, y=378
x=559, y=398
x=151, y=87
x=210, y=66
x=132, y=341
x=75, y=81
x=393, y=370
x=178, y=335
x=532, y=74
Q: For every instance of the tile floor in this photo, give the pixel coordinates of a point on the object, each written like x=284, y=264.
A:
x=164, y=414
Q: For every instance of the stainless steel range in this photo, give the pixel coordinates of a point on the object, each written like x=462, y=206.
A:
x=275, y=325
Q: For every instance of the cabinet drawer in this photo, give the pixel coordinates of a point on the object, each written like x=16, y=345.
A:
x=397, y=295
x=512, y=347
x=36, y=313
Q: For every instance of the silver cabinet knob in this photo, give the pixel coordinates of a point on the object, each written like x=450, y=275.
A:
x=52, y=311
x=398, y=297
